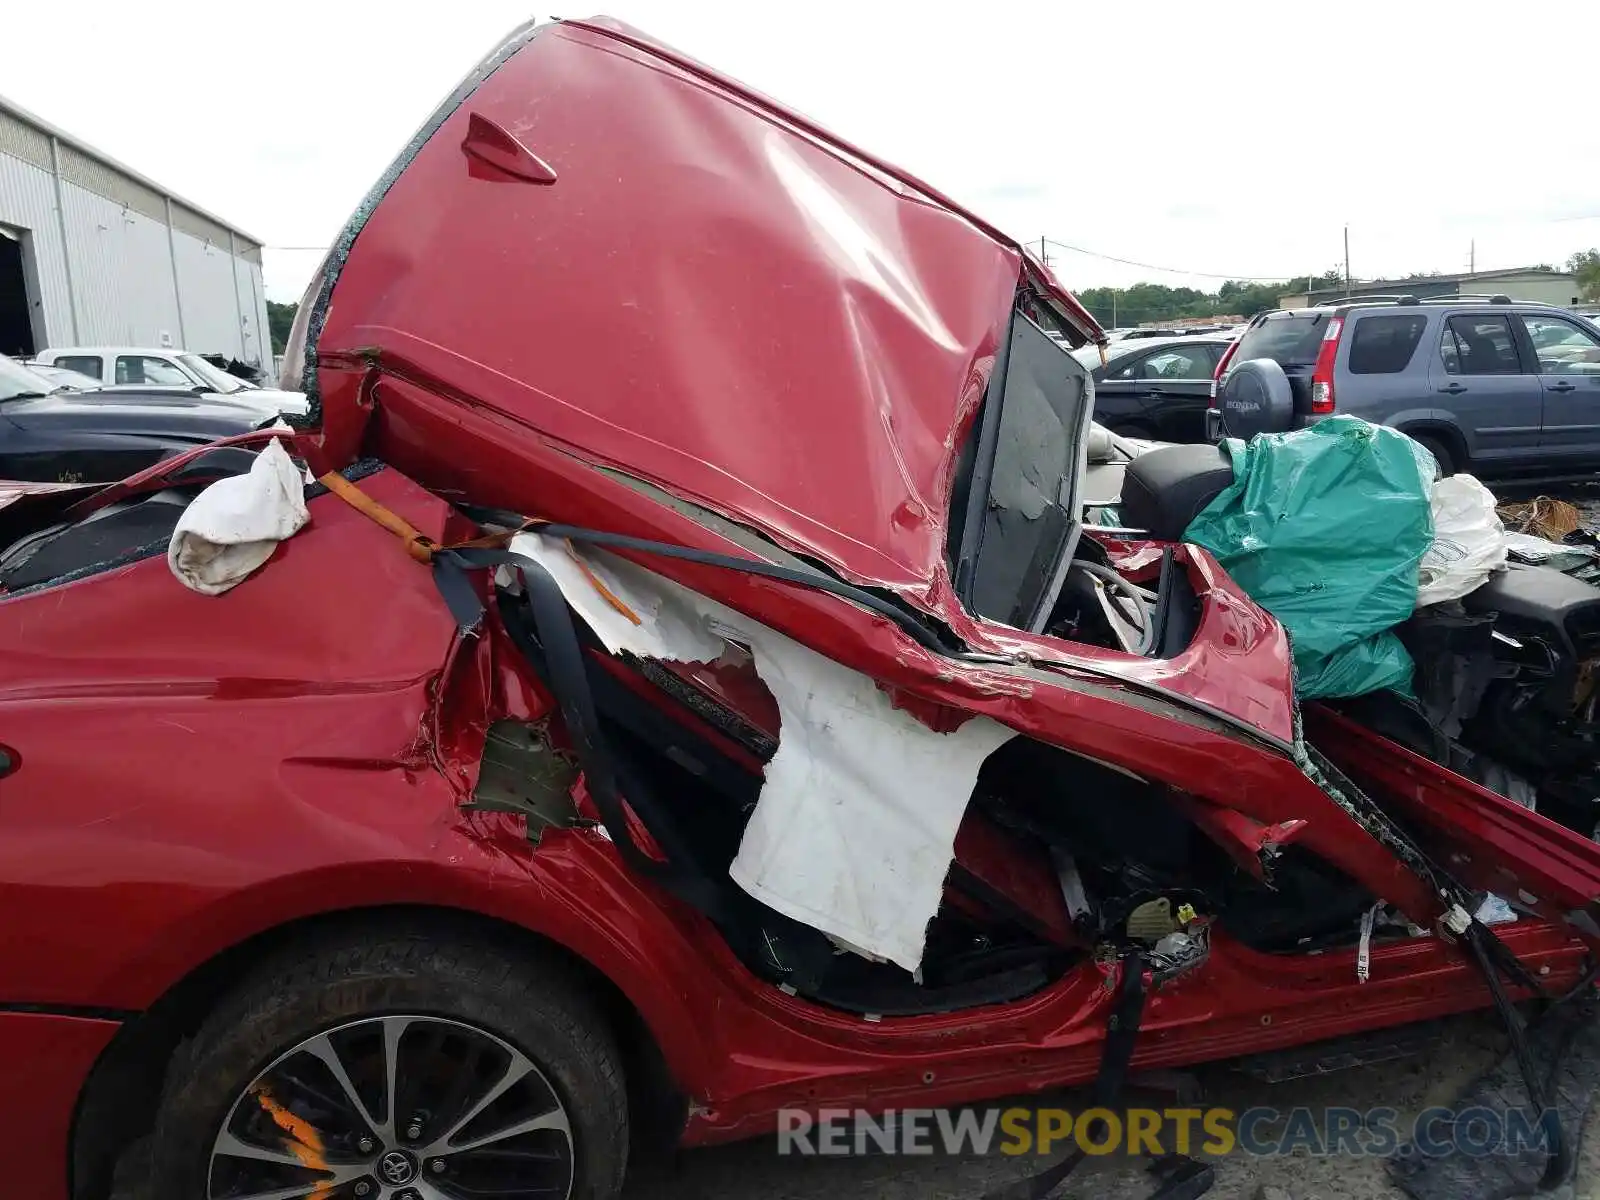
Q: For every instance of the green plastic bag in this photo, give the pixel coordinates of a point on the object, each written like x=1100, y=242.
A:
x=1324, y=528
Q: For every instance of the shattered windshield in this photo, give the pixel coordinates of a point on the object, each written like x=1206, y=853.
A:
x=17, y=382
x=1020, y=483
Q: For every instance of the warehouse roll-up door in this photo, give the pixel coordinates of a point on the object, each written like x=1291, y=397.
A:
x=16, y=311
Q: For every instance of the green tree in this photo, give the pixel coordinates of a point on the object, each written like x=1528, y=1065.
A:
x=280, y=319
x=1146, y=303
x=1247, y=297
x=1333, y=277
x=1585, y=264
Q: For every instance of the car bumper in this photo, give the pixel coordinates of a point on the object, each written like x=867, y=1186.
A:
x=1214, y=432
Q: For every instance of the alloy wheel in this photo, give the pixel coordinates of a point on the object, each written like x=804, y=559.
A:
x=397, y=1107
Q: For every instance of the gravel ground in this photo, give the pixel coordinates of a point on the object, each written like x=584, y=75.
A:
x=753, y=1170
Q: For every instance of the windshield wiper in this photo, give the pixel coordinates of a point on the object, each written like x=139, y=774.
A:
x=25, y=396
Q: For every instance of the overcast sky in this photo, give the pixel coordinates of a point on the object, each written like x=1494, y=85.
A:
x=1224, y=139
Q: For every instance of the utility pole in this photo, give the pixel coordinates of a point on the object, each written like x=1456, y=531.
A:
x=1044, y=255
x=1472, y=258
x=1113, y=308
x=1347, y=261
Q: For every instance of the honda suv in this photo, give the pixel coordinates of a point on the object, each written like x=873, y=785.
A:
x=1501, y=387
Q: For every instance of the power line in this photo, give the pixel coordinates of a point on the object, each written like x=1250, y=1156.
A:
x=1129, y=262
x=1241, y=277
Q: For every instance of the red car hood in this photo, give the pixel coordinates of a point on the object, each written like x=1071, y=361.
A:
x=713, y=294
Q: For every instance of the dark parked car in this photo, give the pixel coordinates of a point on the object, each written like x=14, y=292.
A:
x=1155, y=388
x=54, y=434
x=1499, y=387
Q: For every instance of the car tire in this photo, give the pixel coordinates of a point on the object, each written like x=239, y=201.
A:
x=417, y=985
x=1440, y=450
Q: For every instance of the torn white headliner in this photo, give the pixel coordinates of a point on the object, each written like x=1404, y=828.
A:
x=855, y=827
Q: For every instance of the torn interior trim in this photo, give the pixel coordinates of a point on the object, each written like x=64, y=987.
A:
x=523, y=773
x=854, y=830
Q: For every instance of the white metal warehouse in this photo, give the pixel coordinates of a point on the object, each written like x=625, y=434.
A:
x=93, y=253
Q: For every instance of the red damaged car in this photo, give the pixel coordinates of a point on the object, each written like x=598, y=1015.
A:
x=684, y=702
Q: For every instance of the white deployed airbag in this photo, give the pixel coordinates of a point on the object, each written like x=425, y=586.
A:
x=233, y=526
x=855, y=827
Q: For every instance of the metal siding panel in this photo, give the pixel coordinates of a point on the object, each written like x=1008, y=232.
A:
x=119, y=267
x=95, y=176
x=123, y=273
x=251, y=330
x=259, y=287
x=186, y=220
x=93, y=225
x=29, y=137
x=22, y=140
x=1549, y=289
x=27, y=201
x=210, y=315
x=144, y=282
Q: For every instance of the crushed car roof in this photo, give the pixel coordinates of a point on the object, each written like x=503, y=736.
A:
x=713, y=294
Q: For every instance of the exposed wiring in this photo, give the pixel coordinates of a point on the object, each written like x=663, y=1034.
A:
x=1136, y=613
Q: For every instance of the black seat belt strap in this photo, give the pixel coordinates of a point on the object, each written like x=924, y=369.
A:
x=1181, y=1178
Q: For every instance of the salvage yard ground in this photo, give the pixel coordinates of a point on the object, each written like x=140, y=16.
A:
x=753, y=1171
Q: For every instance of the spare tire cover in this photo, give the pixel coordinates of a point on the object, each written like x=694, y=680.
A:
x=1255, y=397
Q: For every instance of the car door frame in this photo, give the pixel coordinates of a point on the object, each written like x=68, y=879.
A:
x=1403, y=398
x=1493, y=439
x=1159, y=408
x=164, y=360
x=1562, y=394
x=54, y=357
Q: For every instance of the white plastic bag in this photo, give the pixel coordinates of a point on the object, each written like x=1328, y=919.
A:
x=233, y=526
x=855, y=827
x=1469, y=542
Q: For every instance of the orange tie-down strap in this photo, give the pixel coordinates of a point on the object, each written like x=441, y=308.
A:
x=418, y=544
x=422, y=547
